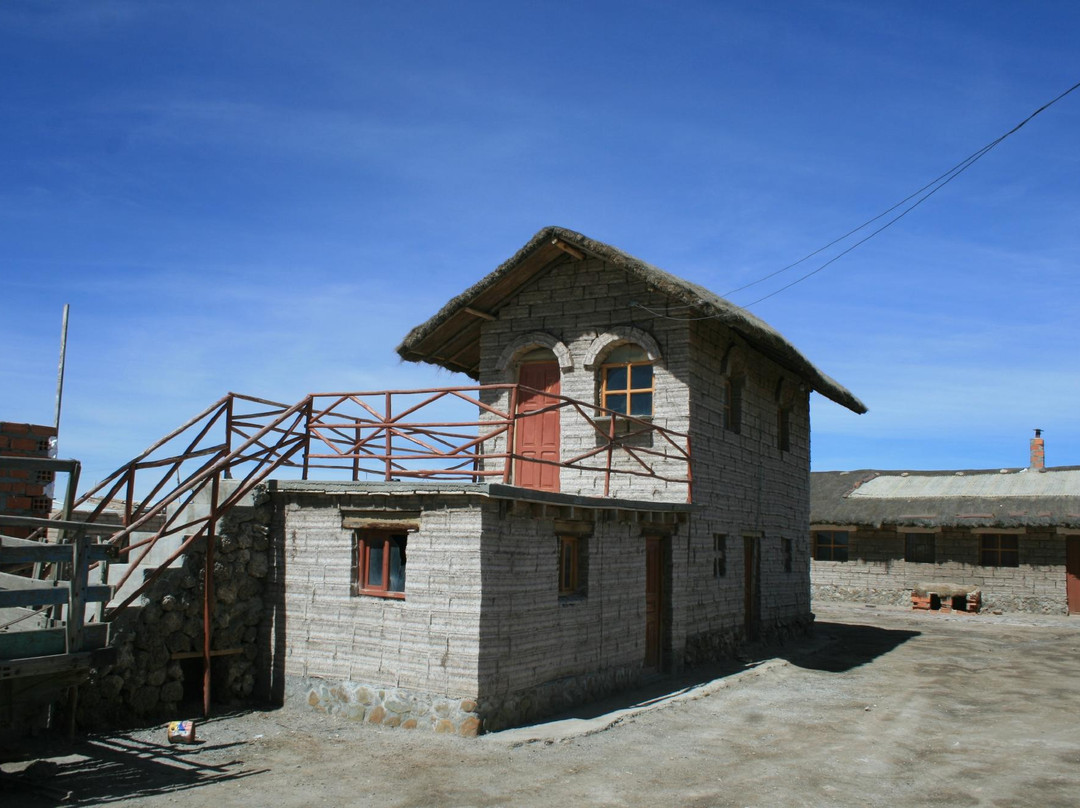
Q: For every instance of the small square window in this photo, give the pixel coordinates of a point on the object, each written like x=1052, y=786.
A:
x=919, y=548
x=831, y=545
x=999, y=550
x=628, y=389
x=379, y=563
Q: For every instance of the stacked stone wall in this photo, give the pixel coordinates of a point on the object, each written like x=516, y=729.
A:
x=877, y=573
x=155, y=674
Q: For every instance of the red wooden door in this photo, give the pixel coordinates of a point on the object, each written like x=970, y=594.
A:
x=654, y=601
x=537, y=436
x=1072, y=573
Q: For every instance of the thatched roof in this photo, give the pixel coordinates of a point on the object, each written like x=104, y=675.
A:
x=451, y=338
x=1003, y=498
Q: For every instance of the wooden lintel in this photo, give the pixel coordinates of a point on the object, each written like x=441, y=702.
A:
x=566, y=248
x=198, y=654
x=483, y=315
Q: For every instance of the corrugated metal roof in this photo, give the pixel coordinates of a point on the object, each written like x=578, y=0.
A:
x=1023, y=483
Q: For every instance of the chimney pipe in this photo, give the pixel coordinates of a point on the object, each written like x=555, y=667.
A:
x=1038, y=452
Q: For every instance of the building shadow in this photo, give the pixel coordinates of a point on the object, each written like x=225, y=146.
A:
x=832, y=648
x=100, y=769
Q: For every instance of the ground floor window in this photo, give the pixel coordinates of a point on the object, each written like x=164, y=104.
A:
x=572, y=565
x=919, y=548
x=719, y=564
x=379, y=563
x=831, y=545
x=999, y=550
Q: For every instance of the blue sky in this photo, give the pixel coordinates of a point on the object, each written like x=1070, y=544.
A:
x=264, y=197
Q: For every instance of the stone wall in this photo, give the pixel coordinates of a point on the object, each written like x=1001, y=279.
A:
x=155, y=674
x=877, y=573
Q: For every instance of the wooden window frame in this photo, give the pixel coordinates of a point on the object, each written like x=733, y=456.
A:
x=991, y=550
x=783, y=429
x=629, y=391
x=733, y=403
x=719, y=555
x=363, y=542
x=571, y=571
x=913, y=541
x=831, y=546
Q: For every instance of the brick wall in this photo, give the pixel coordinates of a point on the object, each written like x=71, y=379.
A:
x=878, y=573
x=25, y=493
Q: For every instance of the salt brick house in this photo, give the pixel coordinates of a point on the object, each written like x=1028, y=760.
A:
x=1012, y=535
x=650, y=512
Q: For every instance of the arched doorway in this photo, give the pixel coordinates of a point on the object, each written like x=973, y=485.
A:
x=536, y=433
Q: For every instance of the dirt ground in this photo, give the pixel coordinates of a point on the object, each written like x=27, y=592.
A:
x=882, y=707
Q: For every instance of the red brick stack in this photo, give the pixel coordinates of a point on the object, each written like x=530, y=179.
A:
x=25, y=493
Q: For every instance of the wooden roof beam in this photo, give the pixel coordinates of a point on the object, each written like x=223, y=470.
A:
x=568, y=249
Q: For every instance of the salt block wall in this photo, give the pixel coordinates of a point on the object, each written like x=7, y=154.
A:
x=426, y=643
x=877, y=572
x=530, y=635
x=575, y=304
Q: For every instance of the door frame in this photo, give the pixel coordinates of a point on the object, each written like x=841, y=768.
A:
x=657, y=601
x=552, y=365
x=1072, y=573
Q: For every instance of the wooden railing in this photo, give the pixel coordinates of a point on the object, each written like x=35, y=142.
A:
x=182, y=484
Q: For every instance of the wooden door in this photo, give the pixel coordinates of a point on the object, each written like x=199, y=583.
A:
x=654, y=602
x=537, y=436
x=751, y=592
x=1072, y=573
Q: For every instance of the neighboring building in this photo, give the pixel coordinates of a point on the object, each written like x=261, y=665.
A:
x=637, y=500
x=1012, y=533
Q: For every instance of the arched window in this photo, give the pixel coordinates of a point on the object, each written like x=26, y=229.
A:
x=626, y=381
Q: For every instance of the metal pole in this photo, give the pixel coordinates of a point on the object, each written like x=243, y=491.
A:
x=60, y=371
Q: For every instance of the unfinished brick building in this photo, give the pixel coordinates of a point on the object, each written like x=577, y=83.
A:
x=635, y=500
x=25, y=493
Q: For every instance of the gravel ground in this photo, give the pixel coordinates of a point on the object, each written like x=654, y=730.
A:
x=881, y=707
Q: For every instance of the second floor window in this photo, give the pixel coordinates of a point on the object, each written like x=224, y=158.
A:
x=626, y=385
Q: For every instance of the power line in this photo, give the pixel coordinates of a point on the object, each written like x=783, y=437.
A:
x=920, y=196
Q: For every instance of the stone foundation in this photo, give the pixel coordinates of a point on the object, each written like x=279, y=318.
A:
x=390, y=707
x=554, y=697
